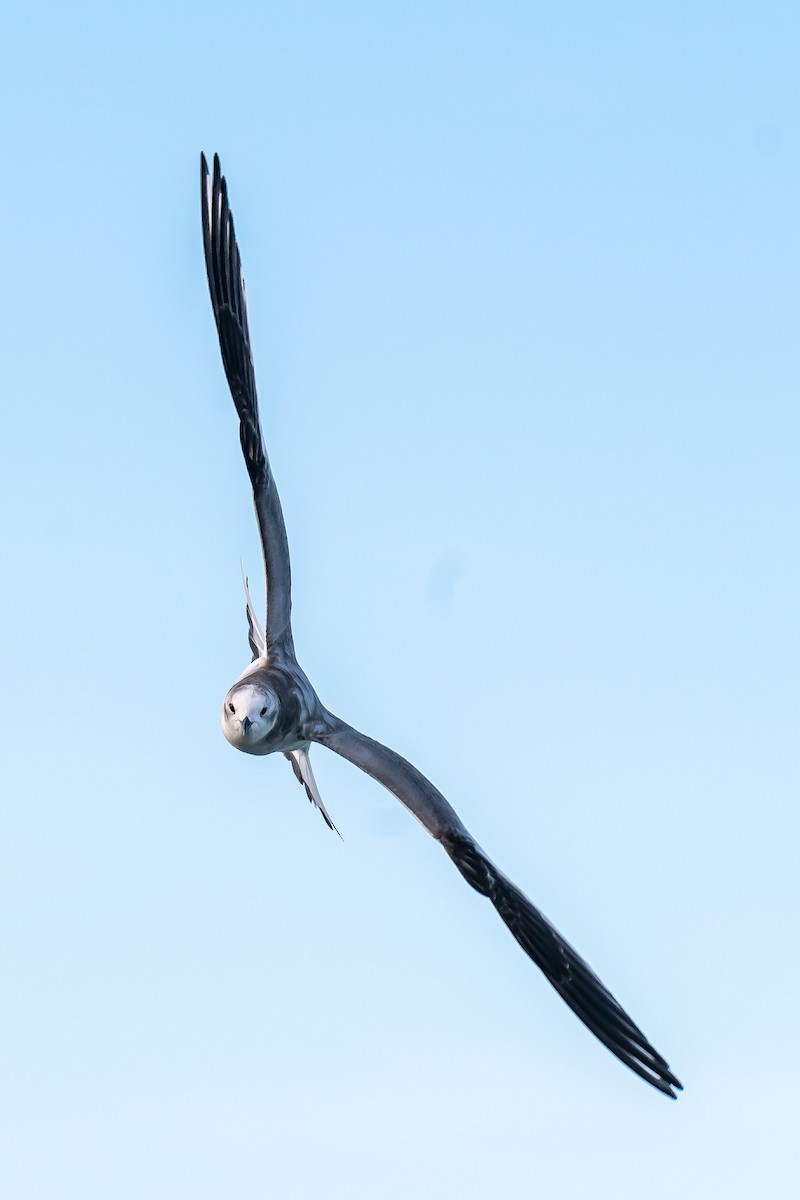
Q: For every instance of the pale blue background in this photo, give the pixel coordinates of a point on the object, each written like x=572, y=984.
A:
x=524, y=291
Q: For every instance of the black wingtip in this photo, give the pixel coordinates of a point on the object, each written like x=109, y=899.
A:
x=321, y=811
x=574, y=981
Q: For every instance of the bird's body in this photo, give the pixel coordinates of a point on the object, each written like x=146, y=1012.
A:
x=279, y=703
x=273, y=707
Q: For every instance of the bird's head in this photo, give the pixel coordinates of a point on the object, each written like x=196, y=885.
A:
x=249, y=713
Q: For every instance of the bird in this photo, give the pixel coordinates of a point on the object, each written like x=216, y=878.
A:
x=273, y=708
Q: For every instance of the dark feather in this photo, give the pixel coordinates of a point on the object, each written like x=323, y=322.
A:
x=229, y=304
x=574, y=981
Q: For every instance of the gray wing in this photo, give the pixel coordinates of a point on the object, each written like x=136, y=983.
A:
x=574, y=981
x=229, y=302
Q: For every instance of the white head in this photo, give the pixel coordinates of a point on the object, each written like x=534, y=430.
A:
x=248, y=714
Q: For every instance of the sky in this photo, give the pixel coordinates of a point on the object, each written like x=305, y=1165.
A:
x=523, y=289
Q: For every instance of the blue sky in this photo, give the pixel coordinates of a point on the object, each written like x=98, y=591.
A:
x=524, y=303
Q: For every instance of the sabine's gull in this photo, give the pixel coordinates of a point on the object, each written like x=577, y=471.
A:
x=273, y=707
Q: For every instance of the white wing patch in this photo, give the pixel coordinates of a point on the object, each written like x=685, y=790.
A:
x=244, y=301
x=301, y=764
x=209, y=196
x=258, y=642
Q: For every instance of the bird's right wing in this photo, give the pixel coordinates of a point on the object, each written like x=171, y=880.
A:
x=574, y=981
x=229, y=302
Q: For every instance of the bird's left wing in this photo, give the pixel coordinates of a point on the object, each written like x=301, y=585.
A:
x=229, y=302
x=574, y=981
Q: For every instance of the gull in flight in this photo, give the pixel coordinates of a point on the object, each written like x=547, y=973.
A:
x=273, y=707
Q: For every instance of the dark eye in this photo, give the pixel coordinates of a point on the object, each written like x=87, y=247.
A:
x=264, y=711
x=230, y=706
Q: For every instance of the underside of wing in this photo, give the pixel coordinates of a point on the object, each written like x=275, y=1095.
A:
x=255, y=634
x=301, y=765
x=574, y=981
x=229, y=303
